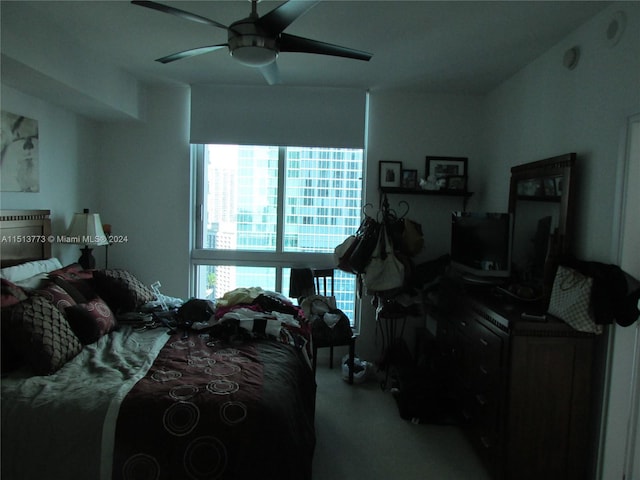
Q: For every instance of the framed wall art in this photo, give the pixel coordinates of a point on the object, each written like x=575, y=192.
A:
x=438, y=169
x=409, y=179
x=19, y=163
x=456, y=182
x=390, y=174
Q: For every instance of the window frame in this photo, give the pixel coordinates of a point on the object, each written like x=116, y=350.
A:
x=278, y=259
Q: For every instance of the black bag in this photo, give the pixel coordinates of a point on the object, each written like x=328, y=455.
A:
x=342, y=253
x=339, y=334
x=368, y=234
x=195, y=310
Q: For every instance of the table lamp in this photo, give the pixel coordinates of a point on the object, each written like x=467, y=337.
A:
x=86, y=229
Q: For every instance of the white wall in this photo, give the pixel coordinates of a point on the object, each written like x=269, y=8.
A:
x=406, y=127
x=548, y=110
x=144, y=192
x=67, y=156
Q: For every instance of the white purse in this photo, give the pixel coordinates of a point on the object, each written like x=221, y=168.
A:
x=384, y=271
x=571, y=300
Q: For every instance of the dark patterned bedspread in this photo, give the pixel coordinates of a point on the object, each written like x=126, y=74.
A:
x=208, y=409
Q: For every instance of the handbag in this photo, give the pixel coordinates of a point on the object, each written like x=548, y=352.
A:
x=384, y=271
x=342, y=253
x=412, y=237
x=368, y=235
x=571, y=300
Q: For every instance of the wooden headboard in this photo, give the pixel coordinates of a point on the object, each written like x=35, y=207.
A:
x=24, y=236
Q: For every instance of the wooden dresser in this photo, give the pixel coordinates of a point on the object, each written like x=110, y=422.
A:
x=523, y=389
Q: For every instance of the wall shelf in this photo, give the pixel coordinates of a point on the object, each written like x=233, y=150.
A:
x=417, y=191
x=434, y=193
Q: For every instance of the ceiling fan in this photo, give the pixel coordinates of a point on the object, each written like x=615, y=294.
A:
x=256, y=41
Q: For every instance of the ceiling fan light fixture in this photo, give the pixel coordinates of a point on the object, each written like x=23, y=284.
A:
x=253, y=50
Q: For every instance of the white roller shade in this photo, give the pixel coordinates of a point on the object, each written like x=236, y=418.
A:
x=278, y=115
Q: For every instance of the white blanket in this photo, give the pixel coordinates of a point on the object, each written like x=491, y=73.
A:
x=63, y=425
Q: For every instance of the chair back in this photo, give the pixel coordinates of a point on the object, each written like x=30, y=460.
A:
x=323, y=280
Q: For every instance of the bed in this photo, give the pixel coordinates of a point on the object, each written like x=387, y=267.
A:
x=86, y=396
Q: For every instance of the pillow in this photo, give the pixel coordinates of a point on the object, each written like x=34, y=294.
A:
x=29, y=269
x=91, y=320
x=75, y=280
x=73, y=292
x=42, y=335
x=72, y=272
x=56, y=295
x=33, y=282
x=11, y=293
x=11, y=296
x=122, y=290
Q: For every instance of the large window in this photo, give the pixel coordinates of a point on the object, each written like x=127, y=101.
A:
x=261, y=210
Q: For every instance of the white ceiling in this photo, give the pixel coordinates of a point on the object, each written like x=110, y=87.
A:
x=462, y=47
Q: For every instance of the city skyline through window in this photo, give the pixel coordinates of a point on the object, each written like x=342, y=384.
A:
x=265, y=209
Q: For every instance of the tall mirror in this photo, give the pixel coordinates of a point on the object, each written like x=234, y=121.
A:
x=540, y=201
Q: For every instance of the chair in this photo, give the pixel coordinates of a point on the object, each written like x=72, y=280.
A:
x=323, y=280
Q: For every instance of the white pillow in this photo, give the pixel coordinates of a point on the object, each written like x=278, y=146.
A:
x=27, y=270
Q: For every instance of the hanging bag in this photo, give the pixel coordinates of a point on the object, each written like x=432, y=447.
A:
x=342, y=253
x=384, y=271
x=412, y=237
x=363, y=251
x=571, y=300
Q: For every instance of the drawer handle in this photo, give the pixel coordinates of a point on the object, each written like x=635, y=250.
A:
x=483, y=370
x=481, y=399
x=484, y=342
x=485, y=442
x=463, y=323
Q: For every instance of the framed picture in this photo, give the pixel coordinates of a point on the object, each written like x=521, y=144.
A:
x=19, y=157
x=549, y=187
x=558, y=185
x=410, y=179
x=530, y=187
x=390, y=174
x=456, y=182
x=439, y=168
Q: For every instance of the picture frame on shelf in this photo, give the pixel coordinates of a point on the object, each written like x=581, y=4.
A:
x=390, y=174
x=549, y=187
x=530, y=187
x=438, y=169
x=456, y=183
x=410, y=179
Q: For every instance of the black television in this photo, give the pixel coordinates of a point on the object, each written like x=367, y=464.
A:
x=481, y=246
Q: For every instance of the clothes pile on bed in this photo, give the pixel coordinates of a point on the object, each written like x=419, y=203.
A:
x=121, y=402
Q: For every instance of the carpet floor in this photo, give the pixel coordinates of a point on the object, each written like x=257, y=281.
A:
x=360, y=435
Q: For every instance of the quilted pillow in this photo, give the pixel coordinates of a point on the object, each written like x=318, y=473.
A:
x=12, y=295
x=56, y=295
x=91, y=320
x=42, y=335
x=122, y=291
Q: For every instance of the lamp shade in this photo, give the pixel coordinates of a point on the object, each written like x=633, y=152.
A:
x=86, y=229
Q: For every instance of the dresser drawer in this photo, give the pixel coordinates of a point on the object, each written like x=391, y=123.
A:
x=484, y=353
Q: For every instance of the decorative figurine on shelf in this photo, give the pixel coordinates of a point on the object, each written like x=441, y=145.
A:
x=429, y=184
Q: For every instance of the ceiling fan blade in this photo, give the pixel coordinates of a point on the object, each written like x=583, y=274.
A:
x=292, y=43
x=190, y=53
x=179, y=13
x=282, y=16
x=271, y=73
